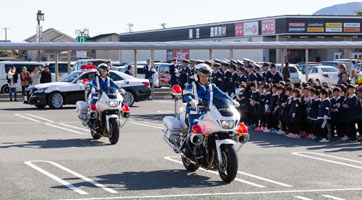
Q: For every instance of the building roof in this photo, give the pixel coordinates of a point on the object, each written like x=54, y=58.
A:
x=60, y=35
x=101, y=36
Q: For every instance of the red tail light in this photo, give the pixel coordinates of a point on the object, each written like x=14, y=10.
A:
x=93, y=107
x=125, y=108
x=196, y=129
x=176, y=89
x=146, y=84
x=85, y=67
x=325, y=75
x=242, y=129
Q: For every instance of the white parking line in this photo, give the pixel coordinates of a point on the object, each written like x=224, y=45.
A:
x=158, y=127
x=149, y=122
x=59, y=127
x=332, y=197
x=302, y=198
x=83, y=129
x=166, y=112
x=221, y=194
x=34, y=120
x=59, y=180
x=42, y=118
x=264, y=179
x=212, y=172
x=326, y=160
x=30, y=163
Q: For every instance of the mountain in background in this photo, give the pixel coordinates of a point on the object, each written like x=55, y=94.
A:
x=340, y=9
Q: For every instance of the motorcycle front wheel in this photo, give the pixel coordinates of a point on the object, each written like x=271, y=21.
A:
x=95, y=135
x=188, y=165
x=229, y=167
x=114, y=131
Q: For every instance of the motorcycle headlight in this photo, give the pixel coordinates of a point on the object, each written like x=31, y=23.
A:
x=112, y=103
x=227, y=124
x=40, y=90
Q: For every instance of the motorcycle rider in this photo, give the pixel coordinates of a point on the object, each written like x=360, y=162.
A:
x=101, y=82
x=199, y=91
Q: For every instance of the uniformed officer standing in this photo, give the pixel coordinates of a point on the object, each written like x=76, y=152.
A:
x=251, y=74
x=174, y=70
x=209, y=62
x=184, y=74
x=239, y=65
x=242, y=76
x=226, y=75
x=258, y=74
x=233, y=80
x=276, y=76
x=217, y=75
x=267, y=75
x=192, y=70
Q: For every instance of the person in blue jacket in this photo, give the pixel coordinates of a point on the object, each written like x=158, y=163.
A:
x=101, y=82
x=201, y=90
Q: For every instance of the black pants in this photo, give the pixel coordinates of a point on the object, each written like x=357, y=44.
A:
x=253, y=119
x=359, y=124
x=23, y=89
x=351, y=129
x=321, y=131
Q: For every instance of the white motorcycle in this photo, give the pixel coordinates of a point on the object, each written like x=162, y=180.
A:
x=106, y=117
x=210, y=144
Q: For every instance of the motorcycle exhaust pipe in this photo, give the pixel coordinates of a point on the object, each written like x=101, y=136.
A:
x=196, y=139
x=173, y=147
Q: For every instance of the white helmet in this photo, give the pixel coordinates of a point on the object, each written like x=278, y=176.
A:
x=202, y=69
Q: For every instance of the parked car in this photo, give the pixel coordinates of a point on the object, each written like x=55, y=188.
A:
x=141, y=73
x=301, y=66
x=163, y=74
x=354, y=61
x=62, y=69
x=335, y=64
x=80, y=63
x=70, y=89
x=5, y=65
x=327, y=74
x=295, y=74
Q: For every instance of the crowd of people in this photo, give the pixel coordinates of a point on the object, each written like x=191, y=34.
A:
x=26, y=79
x=271, y=102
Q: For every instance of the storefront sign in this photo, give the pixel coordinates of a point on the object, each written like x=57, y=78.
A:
x=268, y=27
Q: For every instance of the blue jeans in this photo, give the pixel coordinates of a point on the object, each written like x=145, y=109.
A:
x=11, y=90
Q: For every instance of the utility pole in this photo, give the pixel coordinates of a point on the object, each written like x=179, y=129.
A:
x=130, y=25
x=163, y=25
x=6, y=32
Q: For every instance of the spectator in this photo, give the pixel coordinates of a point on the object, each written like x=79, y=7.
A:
x=149, y=72
x=12, y=78
x=35, y=76
x=46, y=76
x=129, y=70
x=286, y=71
x=341, y=69
x=25, y=79
x=345, y=78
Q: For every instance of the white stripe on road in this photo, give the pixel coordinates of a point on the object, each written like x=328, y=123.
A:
x=83, y=177
x=326, y=160
x=66, y=129
x=42, y=118
x=332, y=197
x=212, y=172
x=321, y=154
x=264, y=179
x=59, y=180
x=158, y=127
x=149, y=122
x=83, y=129
x=302, y=198
x=166, y=112
x=34, y=120
x=71, y=172
x=221, y=194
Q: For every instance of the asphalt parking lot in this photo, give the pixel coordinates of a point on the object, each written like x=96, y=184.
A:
x=48, y=154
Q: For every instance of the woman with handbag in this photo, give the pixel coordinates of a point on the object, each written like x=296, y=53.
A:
x=25, y=79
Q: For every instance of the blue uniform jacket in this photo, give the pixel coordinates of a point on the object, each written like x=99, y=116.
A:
x=204, y=92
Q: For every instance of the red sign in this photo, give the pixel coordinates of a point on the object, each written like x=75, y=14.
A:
x=351, y=30
x=296, y=24
x=268, y=27
x=239, y=30
x=181, y=54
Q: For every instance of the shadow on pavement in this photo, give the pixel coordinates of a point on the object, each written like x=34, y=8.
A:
x=51, y=144
x=150, y=117
x=32, y=108
x=152, y=180
x=271, y=140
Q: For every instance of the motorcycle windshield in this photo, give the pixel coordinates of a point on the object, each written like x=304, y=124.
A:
x=111, y=93
x=224, y=107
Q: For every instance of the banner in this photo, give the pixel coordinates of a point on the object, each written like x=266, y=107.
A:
x=239, y=30
x=181, y=54
x=268, y=27
x=251, y=28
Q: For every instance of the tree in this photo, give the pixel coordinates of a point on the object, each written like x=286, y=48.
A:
x=358, y=12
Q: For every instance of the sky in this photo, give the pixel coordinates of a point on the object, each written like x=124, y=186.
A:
x=109, y=16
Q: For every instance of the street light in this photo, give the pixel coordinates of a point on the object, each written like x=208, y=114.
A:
x=39, y=16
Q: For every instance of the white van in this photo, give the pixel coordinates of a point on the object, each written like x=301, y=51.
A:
x=5, y=65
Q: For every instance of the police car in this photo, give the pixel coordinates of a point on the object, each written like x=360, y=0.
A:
x=71, y=89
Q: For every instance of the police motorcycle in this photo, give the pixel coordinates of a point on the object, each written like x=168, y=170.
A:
x=107, y=115
x=210, y=144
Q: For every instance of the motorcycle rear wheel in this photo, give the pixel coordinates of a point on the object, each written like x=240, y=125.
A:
x=114, y=131
x=229, y=168
x=188, y=165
